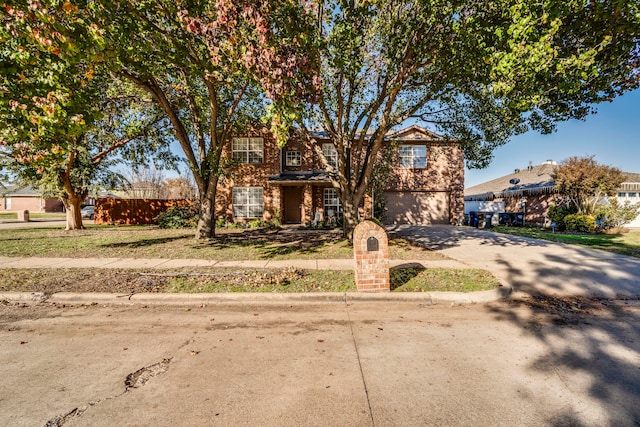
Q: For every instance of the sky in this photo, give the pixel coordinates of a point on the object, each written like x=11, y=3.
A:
x=612, y=135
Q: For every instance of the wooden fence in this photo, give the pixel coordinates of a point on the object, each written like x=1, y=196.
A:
x=133, y=211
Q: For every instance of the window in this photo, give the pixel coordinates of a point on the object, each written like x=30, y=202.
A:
x=330, y=153
x=247, y=202
x=293, y=158
x=632, y=194
x=7, y=203
x=622, y=194
x=331, y=203
x=248, y=150
x=413, y=156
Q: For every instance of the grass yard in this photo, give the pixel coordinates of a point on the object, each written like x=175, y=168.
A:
x=153, y=242
x=625, y=243
x=199, y=280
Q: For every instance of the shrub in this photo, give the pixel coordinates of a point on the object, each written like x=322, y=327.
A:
x=178, y=217
x=616, y=215
x=582, y=223
x=276, y=219
x=557, y=214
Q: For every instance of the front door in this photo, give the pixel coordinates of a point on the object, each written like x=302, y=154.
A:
x=292, y=199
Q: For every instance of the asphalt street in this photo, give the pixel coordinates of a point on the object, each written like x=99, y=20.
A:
x=321, y=364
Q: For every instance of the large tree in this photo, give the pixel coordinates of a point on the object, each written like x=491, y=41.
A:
x=586, y=183
x=65, y=119
x=204, y=63
x=476, y=71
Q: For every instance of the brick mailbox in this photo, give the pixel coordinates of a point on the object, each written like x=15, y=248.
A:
x=371, y=253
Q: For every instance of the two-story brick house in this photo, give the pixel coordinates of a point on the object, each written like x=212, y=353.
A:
x=425, y=186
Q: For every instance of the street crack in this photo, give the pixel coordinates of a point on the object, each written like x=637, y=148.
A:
x=133, y=380
x=141, y=376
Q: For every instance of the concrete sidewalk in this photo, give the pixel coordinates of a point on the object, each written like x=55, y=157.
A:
x=166, y=263
x=237, y=298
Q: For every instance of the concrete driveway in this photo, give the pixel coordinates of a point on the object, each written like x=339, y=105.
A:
x=534, y=266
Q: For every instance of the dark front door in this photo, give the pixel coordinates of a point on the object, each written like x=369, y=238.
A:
x=292, y=198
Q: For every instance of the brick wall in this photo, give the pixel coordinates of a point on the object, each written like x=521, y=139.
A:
x=444, y=173
x=19, y=203
x=537, y=206
x=251, y=175
x=371, y=267
x=132, y=211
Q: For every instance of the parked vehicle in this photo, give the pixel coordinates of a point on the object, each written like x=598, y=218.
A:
x=87, y=212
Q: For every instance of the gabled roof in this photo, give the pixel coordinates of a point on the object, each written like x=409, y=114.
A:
x=411, y=133
x=528, y=181
x=20, y=190
x=631, y=182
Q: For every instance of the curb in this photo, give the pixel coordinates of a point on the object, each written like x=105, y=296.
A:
x=430, y=298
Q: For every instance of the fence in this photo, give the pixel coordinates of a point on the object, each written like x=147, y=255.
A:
x=133, y=211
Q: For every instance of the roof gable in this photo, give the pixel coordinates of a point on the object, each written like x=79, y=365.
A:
x=531, y=180
x=414, y=133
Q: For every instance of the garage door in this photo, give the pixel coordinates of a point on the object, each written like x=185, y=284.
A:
x=417, y=207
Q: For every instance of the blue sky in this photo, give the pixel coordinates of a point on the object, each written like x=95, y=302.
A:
x=612, y=135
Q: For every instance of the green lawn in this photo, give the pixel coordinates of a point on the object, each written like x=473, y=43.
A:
x=153, y=242
x=199, y=280
x=625, y=243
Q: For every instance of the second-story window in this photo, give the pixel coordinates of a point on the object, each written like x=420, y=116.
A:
x=248, y=150
x=293, y=158
x=413, y=156
x=330, y=153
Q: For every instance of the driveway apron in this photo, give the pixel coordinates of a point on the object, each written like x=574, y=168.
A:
x=533, y=266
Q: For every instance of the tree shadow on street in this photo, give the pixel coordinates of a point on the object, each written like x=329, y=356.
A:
x=592, y=345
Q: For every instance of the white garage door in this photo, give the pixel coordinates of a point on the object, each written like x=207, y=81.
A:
x=417, y=207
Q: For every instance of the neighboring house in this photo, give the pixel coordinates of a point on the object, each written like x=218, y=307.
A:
x=533, y=185
x=629, y=191
x=536, y=187
x=17, y=198
x=424, y=187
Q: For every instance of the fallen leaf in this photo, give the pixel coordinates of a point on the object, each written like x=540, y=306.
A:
x=260, y=338
x=319, y=340
x=193, y=352
x=24, y=342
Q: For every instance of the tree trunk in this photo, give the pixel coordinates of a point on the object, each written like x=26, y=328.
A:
x=74, y=215
x=207, y=221
x=349, y=217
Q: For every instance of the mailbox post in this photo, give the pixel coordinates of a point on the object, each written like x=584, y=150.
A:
x=371, y=253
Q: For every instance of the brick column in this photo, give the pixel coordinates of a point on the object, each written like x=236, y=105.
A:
x=307, y=204
x=371, y=253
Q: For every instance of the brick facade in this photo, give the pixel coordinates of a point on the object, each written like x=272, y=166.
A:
x=30, y=203
x=304, y=184
x=537, y=206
